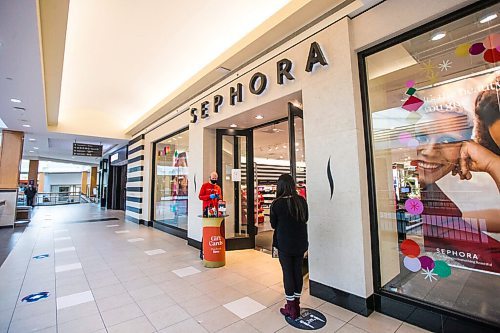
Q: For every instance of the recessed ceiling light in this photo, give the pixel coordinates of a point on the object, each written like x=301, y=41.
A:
x=31, y=151
x=179, y=137
x=259, y=116
x=297, y=149
x=233, y=125
x=15, y=100
x=488, y=17
x=31, y=139
x=284, y=147
x=281, y=156
x=438, y=35
x=26, y=125
x=296, y=144
x=36, y=148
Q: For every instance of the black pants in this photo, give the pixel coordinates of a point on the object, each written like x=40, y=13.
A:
x=292, y=273
x=29, y=201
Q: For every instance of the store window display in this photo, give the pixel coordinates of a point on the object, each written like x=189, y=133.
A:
x=171, y=181
x=435, y=124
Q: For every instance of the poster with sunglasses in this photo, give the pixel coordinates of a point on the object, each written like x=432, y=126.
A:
x=451, y=144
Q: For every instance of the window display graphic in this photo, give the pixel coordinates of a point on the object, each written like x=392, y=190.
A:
x=414, y=263
x=489, y=46
x=413, y=103
x=436, y=165
x=171, y=181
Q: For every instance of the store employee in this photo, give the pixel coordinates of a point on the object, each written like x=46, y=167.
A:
x=210, y=193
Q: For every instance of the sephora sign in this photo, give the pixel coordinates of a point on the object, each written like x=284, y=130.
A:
x=258, y=83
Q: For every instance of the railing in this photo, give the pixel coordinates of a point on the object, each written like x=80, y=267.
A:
x=51, y=198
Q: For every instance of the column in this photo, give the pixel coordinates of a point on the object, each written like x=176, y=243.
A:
x=11, y=152
x=93, y=180
x=85, y=176
x=33, y=172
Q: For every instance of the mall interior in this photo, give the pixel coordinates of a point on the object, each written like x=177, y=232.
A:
x=115, y=114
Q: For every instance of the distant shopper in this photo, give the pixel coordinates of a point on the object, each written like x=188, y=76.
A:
x=210, y=194
x=289, y=215
x=30, y=193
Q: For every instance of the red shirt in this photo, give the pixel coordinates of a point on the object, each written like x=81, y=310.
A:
x=205, y=191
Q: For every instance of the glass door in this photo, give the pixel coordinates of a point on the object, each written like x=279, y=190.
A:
x=236, y=178
x=296, y=143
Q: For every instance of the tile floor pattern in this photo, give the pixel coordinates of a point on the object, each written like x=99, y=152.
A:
x=99, y=281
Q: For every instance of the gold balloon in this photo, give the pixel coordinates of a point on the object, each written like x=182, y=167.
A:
x=462, y=50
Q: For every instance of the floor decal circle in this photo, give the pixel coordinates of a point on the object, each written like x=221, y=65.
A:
x=35, y=297
x=309, y=320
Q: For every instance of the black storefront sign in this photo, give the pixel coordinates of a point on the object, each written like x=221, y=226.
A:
x=85, y=149
x=258, y=83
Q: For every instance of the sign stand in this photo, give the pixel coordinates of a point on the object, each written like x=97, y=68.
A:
x=214, y=242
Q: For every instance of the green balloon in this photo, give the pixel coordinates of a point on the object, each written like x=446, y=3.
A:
x=442, y=269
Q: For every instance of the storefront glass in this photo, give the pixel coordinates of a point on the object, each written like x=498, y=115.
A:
x=435, y=124
x=171, y=180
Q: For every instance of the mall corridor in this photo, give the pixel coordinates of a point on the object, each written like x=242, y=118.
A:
x=89, y=271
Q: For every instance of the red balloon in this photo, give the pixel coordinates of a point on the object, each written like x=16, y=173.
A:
x=410, y=248
x=491, y=55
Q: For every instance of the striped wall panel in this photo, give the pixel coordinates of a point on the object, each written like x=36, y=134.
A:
x=135, y=177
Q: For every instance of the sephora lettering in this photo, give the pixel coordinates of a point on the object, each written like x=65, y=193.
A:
x=258, y=83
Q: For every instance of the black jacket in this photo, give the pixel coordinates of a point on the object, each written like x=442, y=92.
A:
x=30, y=193
x=290, y=235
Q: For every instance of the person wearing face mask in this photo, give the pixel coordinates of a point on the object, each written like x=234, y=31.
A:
x=210, y=194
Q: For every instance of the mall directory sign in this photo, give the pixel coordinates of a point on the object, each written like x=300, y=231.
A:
x=85, y=149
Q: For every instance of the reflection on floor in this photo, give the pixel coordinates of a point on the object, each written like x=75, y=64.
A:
x=116, y=276
x=8, y=239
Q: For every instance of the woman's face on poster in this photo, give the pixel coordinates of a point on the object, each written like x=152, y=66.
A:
x=439, y=146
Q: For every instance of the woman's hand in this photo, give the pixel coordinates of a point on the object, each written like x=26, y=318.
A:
x=474, y=157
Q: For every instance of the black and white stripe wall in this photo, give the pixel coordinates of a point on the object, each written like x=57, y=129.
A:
x=135, y=176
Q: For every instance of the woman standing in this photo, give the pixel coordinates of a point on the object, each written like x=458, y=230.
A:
x=289, y=216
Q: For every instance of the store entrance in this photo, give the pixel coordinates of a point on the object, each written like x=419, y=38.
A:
x=249, y=163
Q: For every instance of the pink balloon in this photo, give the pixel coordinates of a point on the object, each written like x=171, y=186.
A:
x=410, y=83
x=492, y=41
x=414, y=206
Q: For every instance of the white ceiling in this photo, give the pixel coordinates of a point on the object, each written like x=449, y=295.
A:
x=134, y=53
x=123, y=59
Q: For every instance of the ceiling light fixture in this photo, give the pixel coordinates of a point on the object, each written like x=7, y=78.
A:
x=36, y=148
x=15, y=100
x=26, y=125
x=259, y=116
x=233, y=125
x=438, y=35
x=488, y=17
x=31, y=139
x=31, y=151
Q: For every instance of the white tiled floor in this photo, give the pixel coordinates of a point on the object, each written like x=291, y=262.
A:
x=186, y=271
x=149, y=281
x=154, y=252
